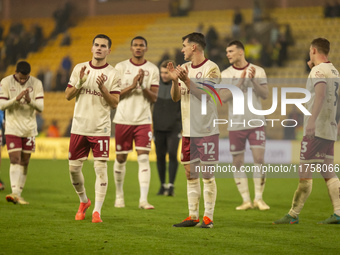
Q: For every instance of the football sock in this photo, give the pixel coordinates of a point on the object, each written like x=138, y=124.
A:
x=22, y=179
x=119, y=170
x=14, y=174
x=194, y=194
x=144, y=175
x=209, y=194
x=259, y=179
x=100, y=168
x=77, y=179
x=241, y=181
x=301, y=194
x=333, y=185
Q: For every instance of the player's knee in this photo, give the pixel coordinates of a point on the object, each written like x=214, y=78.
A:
x=121, y=158
x=100, y=164
x=75, y=165
x=259, y=159
x=143, y=158
x=14, y=159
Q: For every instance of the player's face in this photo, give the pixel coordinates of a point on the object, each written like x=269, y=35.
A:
x=22, y=78
x=187, y=50
x=234, y=54
x=138, y=48
x=100, y=48
x=165, y=74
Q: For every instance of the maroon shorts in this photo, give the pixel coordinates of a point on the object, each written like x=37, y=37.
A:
x=238, y=138
x=24, y=144
x=200, y=149
x=316, y=150
x=125, y=134
x=80, y=147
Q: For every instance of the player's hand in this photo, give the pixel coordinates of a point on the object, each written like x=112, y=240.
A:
x=310, y=129
x=27, y=96
x=100, y=81
x=182, y=73
x=21, y=95
x=141, y=78
x=252, y=73
x=83, y=77
x=172, y=72
x=135, y=81
x=240, y=83
x=310, y=64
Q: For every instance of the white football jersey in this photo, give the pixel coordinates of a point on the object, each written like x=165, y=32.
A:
x=91, y=112
x=20, y=117
x=195, y=123
x=325, y=124
x=134, y=108
x=231, y=76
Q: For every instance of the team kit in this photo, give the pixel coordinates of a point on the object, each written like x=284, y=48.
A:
x=132, y=87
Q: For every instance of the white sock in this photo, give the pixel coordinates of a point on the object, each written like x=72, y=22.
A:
x=209, y=194
x=301, y=194
x=194, y=195
x=22, y=179
x=14, y=175
x=119, y=170
x=333, y=185
x=100, y=168
x=144, y=175
x=77, y=179
x=259, y=179
x=241, y=181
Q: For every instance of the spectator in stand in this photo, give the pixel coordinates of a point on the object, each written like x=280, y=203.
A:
x=238, y=18
x=53, y=129
x=66, y=41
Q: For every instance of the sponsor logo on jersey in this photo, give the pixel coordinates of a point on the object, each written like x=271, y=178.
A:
x=127, y=72
x=91, y=92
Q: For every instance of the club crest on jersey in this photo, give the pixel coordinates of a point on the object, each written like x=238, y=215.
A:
x=146, y=73
x=105, y=77
x=199, y=75
x=30, y=89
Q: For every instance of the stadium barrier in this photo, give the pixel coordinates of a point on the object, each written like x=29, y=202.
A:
x=277, y=151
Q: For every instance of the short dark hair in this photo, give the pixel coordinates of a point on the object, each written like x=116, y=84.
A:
x=165, y=63
x=322, y=45
x=103, y=37
x=237, y=43
x=23, y=67
x=196, y=38
x=141, y=38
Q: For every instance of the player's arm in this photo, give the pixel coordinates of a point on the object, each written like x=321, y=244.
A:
x=111, y=99
x=137, y=80
x=320, y=96
x=5, y=102
x=261, y=90
x=183, y=76
x=151, y=94
x=73, y=91
x=175, y=88
x=37, y=104
x=226, y=94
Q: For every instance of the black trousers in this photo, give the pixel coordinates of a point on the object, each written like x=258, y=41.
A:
x=167, y=142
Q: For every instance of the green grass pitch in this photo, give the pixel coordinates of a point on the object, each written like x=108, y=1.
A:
x=47, y=225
